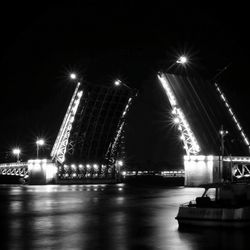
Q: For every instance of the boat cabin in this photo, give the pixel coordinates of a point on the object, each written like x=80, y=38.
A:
x=224, y=194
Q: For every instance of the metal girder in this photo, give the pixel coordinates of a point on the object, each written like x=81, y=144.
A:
x=190, y=142
x=111, y=152
x=17, y=169
x=98, y=125
x=241, y=171
x=233, y=116
x=60, y=146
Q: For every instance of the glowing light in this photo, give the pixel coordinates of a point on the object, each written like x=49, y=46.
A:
x=16, y=151
x=174, y=111
x=73, y=76
x=40, y=142
x=120, y=163
x=223, y=132
x=176, y=120
x=199, y=169
x=117, y=82
x=245, y=139
x=190, y=143
x=182, y=60
x=210, y=157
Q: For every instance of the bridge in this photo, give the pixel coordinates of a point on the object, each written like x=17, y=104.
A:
x=89, y=146
x=200, y=110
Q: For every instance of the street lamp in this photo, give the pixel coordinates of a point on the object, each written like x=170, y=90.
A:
x=17, y=152
x=181, y=60
x=73, y=76
x=117, y=82
x=76, y=78
x=223, y=133
x=39, y=142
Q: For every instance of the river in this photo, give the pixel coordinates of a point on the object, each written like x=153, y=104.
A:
x=118, y=217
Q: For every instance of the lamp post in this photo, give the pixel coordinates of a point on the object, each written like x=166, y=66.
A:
x=39, y=142
x=17, y=152
x=223, y=133
x=73, y=76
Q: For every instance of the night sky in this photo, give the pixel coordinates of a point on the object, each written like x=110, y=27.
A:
x=41, y=44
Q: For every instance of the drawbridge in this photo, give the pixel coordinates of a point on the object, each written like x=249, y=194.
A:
x=215, y=145
x=90, y=144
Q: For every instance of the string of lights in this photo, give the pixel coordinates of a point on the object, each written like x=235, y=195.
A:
x=239, y=127
x=190, y=142
x=60, y=146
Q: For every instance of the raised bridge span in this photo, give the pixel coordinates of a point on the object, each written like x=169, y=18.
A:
x=90, y=142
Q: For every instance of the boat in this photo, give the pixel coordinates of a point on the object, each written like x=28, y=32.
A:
x=221, y=205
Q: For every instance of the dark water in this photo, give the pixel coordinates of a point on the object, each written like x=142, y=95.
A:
x=116, y=217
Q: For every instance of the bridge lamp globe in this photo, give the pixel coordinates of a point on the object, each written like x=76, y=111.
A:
x=182, y=60
x=39, y=143
x=117, y=82
x=73, y=76
x=17, y=152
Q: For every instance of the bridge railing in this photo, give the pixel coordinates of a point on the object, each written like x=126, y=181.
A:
x=14, y=168
x=13, y=165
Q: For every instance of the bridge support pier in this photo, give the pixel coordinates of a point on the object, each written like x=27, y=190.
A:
x=41, y=172
x=201, y=169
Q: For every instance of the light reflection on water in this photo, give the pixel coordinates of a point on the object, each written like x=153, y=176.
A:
x=116, y=217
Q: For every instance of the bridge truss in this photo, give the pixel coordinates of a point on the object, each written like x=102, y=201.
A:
x=190, y=142
x=16, y=169
x=90, y=140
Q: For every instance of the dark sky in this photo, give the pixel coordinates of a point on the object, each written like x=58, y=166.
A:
x=41, y=44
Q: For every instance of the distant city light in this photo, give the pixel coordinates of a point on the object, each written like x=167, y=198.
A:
x=73, y=76
x=182, y=60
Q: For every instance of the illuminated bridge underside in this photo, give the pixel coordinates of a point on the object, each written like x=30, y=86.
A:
x=205, y=113
x=91, y=136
